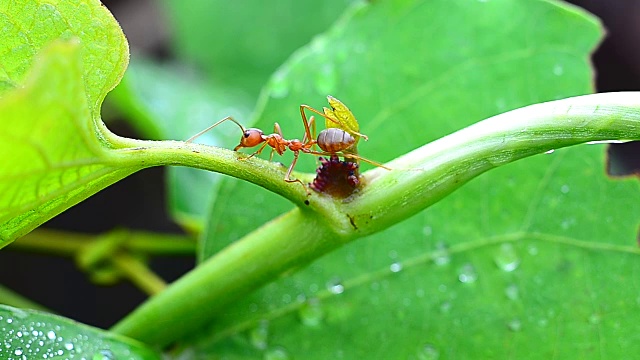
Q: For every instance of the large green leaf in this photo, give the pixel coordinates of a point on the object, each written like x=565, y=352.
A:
x=53, y=151
x=30, y=26
x=29, y=334
x=240, y=43
x=522, y=262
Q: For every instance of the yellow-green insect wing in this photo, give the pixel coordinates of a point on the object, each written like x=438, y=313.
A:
x=339, y=116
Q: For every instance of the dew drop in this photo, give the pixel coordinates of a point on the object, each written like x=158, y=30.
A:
x=311, y=313
x=512, y=292
x=395, y=267
x=335, y=287
x=441, y=254
x=68, y=346
x=428, y=352
x=550, y=151
x=51, y=335
x=564, y=189
x=543, y=322
x=445, y=307
x=278, y=353
x=467, y=274
x=514, y=325
x=558, y=70
x=507, y=258
x=18, y=351
x=286, y=298
x=314, y=287
x=104, y=355
x=259, y=335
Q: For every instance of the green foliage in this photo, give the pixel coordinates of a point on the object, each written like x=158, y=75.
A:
x=53, y=156
x=483, y=273
x=29, y=334
x=521, y=262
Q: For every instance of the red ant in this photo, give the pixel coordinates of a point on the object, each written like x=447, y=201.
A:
x=331, y=141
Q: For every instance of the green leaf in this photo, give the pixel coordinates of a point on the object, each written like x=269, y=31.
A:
x=242, y=54
x=53, y=155
x=30, y=26
x=519, y=263
x=53, y=146
x=29, y=334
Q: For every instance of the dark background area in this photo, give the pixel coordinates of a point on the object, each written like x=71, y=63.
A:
x=138, y=201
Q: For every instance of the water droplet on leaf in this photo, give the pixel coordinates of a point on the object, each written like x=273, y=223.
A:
x=512, y=292
x=507, y=258
x=395, y=267
x=514, y=325
x=442, y=256
x=259, y=335
x=428, y=352
x=467, y=274
x=311, y=313
x=278, y=353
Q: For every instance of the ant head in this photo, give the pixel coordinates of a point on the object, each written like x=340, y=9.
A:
x=251, y=137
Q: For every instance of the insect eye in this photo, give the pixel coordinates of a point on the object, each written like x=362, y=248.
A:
x=246, y=133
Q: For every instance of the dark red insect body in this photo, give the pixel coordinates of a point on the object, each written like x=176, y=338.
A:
x=336, y=178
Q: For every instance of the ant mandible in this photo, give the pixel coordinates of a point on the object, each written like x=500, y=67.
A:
x=332, y=141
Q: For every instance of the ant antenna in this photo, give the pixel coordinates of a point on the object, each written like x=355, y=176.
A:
x=214, y=125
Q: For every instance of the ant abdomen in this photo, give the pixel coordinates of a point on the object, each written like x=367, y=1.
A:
x=333, y=140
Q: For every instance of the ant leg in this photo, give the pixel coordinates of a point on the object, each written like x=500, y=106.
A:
x=288, y=178
x=336, y=121
x=257, y=152
x=305, y=122
x=229, y=118
x=312, y=134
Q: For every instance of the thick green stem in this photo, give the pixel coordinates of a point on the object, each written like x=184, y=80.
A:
x=288, y=242
x=429, y=173
x=418, y=180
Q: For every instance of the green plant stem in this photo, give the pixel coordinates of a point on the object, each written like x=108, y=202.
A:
x=264, y=255
x=420, y=178
x=65, y=243
x=138, y=273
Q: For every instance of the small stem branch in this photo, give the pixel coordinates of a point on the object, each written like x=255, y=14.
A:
x=139, y=274
x=65, y=243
